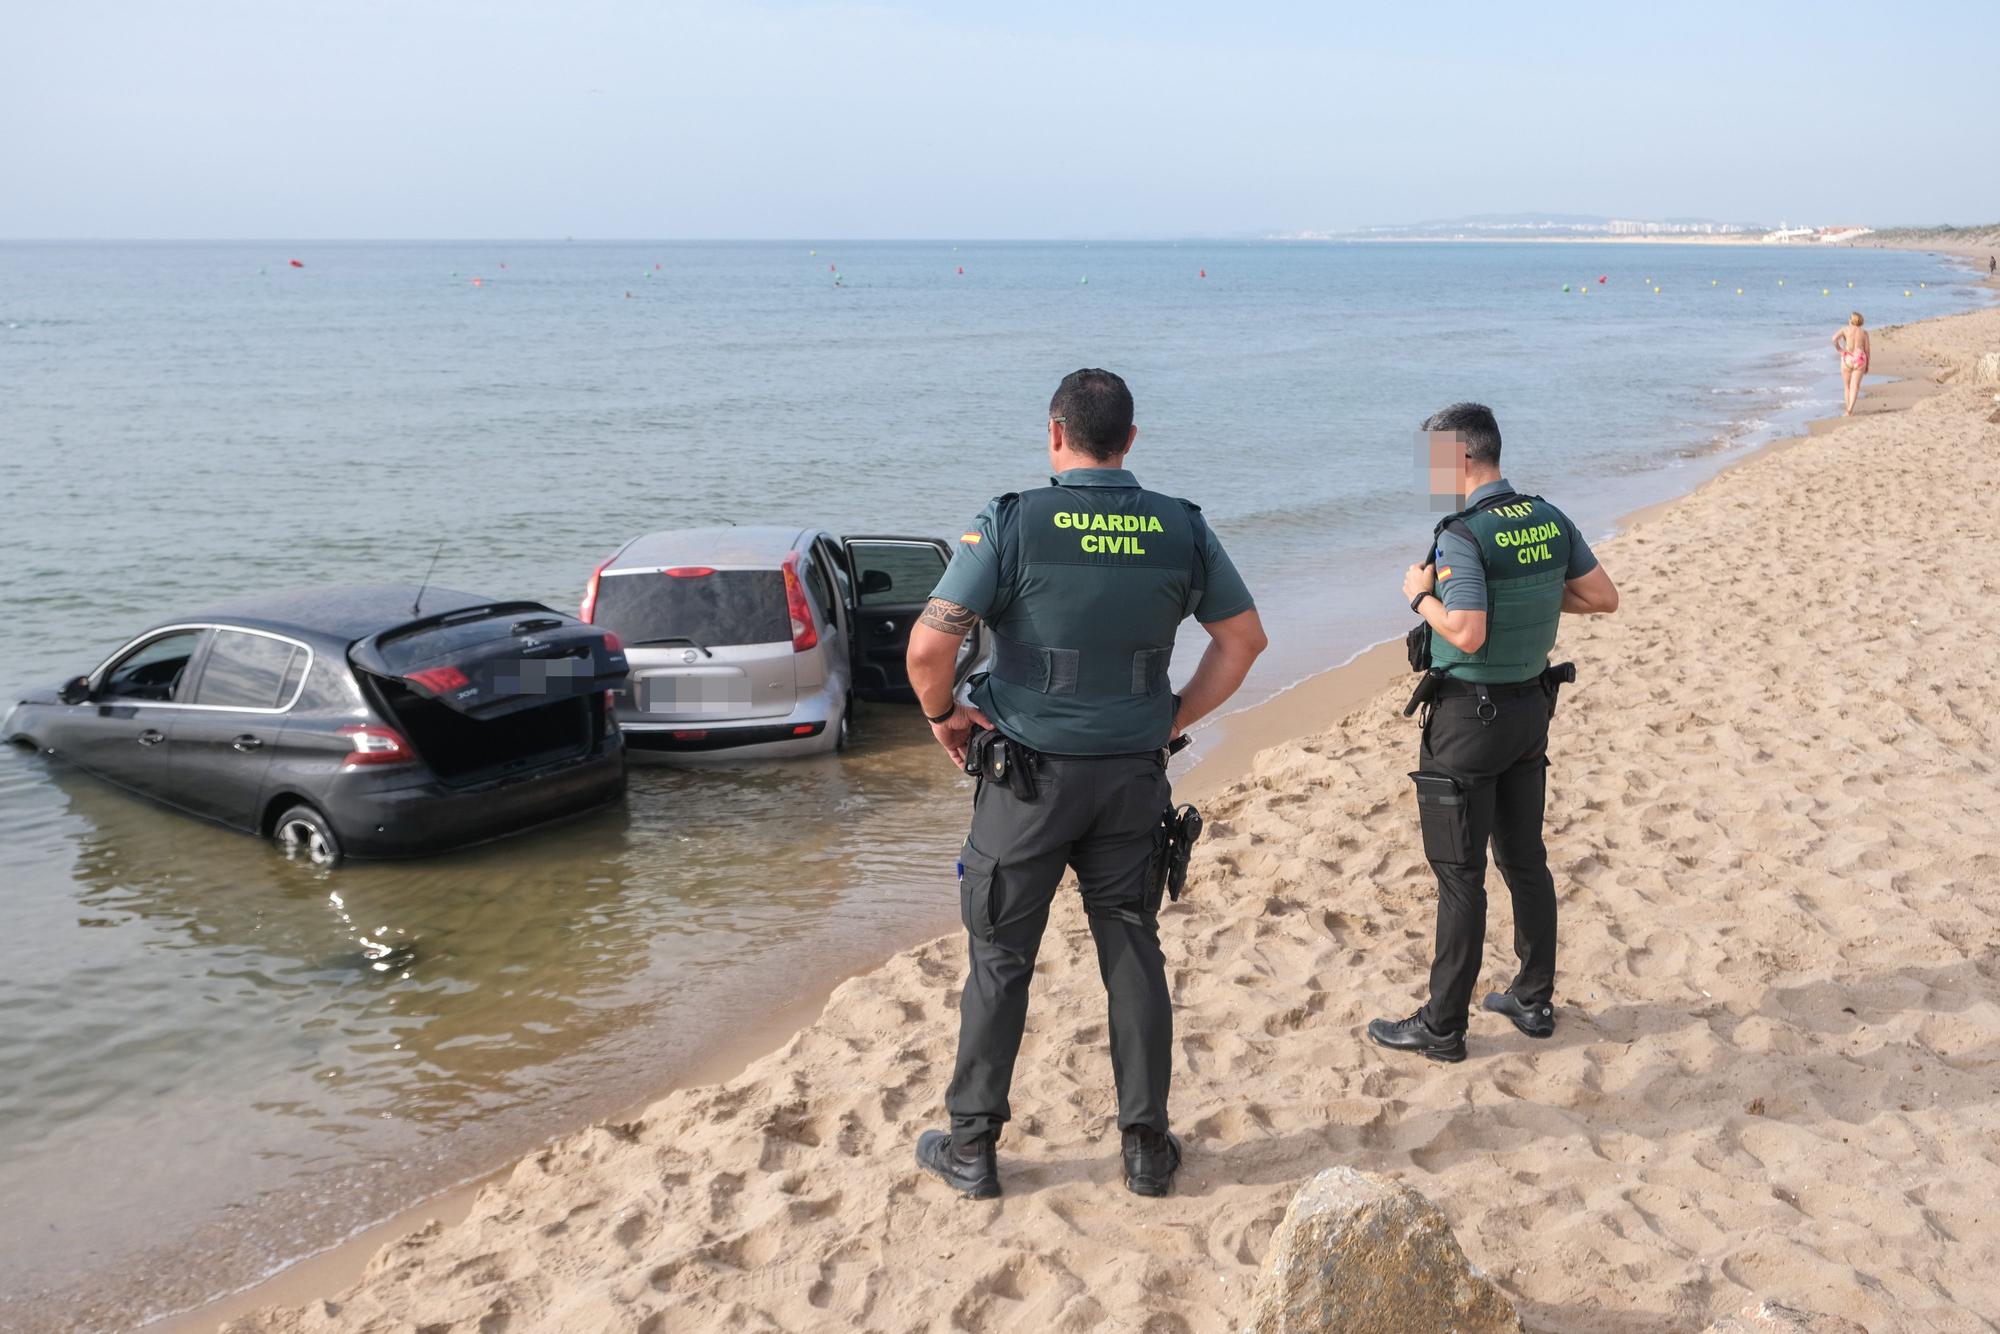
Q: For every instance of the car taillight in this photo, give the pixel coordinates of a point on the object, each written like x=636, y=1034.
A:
x=440, y=680
x=375, y=746
x=613, y=644
x=589, y=608
x=804, y=636
x=688, y=572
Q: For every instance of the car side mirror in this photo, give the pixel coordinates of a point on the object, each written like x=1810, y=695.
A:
x=76, y=690
x=875, y=581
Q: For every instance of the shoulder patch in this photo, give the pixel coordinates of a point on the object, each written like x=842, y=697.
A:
x=970, y=539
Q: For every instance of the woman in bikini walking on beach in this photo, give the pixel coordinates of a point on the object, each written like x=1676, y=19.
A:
x=1852, y=341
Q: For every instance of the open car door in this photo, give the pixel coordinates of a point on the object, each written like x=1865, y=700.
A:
x=892, y=579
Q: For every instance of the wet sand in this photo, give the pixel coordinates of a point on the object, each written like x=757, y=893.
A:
x=1777, y=1073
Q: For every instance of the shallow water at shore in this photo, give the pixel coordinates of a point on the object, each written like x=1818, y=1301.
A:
x=201, y=1060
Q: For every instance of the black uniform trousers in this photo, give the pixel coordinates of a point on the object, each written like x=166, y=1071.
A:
x=1499, y=765
x=1100, y=815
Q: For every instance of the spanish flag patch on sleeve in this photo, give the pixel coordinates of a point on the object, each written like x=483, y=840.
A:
x=970, y=539
x=1444, y=572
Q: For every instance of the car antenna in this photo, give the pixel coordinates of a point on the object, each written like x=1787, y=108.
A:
x=417, y=602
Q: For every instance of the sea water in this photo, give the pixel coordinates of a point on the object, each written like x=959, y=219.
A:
x=202, y=1071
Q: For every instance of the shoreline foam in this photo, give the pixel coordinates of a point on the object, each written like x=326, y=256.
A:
x=1252, y=1093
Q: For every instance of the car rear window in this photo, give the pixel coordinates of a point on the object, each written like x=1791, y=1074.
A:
x=246, y=671
x=723, y=607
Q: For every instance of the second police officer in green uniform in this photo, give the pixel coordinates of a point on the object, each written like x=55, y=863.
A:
x=1082, y=585
x=1504, y=570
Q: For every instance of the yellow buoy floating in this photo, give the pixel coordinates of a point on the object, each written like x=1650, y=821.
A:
x=1656, y=291
x=1906, y=291
x=1850, y=284
x=1739, y=291
x=1825, y=292
x=1711, y=282
x=1781, y=282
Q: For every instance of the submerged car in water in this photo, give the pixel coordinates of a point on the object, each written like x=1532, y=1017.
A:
x=364, y=722
x=754, y=642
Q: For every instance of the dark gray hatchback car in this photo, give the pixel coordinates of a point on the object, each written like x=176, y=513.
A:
x=349, y=722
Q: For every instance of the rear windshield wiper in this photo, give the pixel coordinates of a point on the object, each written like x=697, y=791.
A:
x=706, y=652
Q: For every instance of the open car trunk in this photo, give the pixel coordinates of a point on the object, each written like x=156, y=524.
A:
x=486, y=693
x=466, y=752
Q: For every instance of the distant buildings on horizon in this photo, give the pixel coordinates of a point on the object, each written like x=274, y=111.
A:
x=1559, y=227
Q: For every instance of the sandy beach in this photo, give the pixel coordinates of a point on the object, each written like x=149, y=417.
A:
x=1778, y=1067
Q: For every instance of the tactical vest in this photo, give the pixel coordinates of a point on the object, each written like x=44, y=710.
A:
x=1093, y=581
x=1524, y=549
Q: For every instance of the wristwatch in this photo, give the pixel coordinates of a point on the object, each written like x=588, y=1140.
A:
x=1418, y=599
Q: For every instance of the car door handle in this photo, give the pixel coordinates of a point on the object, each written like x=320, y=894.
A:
x=149, y=737
x=885, y=628
x=247, y=743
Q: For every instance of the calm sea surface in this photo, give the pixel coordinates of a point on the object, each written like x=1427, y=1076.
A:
x=200, y=1075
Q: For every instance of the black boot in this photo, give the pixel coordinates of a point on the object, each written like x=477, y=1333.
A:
x=973, y=1173
x=1413, y=1034
x=1151, y=1159
x=1537, y=1021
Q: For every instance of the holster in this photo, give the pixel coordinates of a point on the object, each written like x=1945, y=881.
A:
x=1173, y=846
x=1554, y=677
x=993, y=757
x=1427, y=688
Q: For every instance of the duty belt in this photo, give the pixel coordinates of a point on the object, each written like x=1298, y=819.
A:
x=1438, y=683
x=1451, y=687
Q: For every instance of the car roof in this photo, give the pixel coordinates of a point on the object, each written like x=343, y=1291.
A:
x=764, y=546
x=343, y=611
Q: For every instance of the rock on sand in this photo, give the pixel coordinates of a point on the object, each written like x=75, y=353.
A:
x=1358, y=1252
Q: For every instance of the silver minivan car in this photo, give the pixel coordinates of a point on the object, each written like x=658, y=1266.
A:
x=749, y=642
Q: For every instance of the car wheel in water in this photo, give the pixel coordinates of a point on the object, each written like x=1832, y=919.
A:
x=844, y=733
x=303, y=834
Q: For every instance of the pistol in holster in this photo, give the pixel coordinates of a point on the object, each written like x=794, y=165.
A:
x=1179, y=829
x=1427, y=688
x=1554, y=678
x=995, y=758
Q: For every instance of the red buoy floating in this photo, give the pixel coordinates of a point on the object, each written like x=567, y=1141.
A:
x=297, y=265
x=1204, y=273
x=831, y=269
x=1602, y=278
x=961, y=270
x=478, y=282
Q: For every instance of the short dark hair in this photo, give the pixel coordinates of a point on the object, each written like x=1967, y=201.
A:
x=1095, y=408
x=1475, y=422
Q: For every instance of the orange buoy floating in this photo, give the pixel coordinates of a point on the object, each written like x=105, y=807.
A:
x=478, y=282
x=297, y=265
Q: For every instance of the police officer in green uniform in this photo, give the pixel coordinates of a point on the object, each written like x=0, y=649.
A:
x=1504, y=569
x=1082, y=585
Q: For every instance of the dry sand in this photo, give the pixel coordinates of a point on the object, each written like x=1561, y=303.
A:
x=1773, y=812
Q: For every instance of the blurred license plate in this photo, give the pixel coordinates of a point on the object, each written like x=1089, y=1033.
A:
x=693, y=694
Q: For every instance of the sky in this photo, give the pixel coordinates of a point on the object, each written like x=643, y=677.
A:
x=1032, y=119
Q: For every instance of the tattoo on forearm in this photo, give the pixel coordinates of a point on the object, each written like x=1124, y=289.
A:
x=948, y=617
